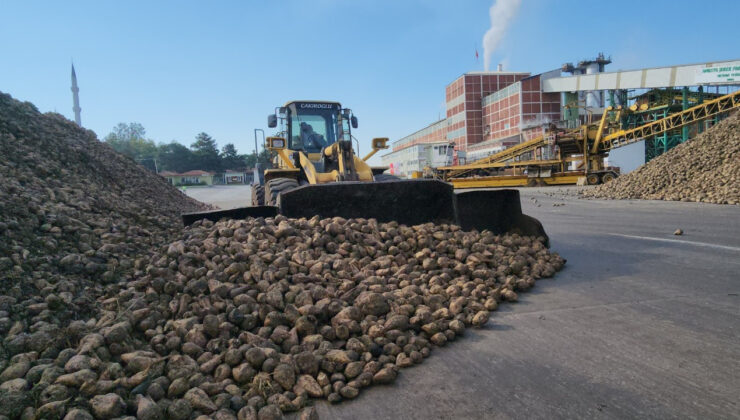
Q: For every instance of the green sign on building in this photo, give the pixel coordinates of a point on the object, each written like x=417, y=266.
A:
x=723, y=73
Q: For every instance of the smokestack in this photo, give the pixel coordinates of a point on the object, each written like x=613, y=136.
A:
x=500, y=67
x=501, y=12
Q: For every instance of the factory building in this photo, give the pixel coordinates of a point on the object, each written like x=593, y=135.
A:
x=516, y=113
x=558, y=115
x=464, y=98
x=426, y=147
x=486, y=113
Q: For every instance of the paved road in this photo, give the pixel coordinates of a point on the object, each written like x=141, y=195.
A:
x=223, y=196
x=640, y=324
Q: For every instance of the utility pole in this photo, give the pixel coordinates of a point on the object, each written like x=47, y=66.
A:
x=255, y=140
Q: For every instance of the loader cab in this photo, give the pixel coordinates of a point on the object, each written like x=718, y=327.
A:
x=311, y=126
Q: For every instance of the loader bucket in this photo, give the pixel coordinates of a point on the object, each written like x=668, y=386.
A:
x=238, y=213
x=499, y=211
x=409, y=202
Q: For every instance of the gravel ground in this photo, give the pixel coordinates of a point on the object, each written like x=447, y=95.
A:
x=223, y=196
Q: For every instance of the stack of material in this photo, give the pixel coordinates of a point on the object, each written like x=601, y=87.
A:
x=74, y=216
x=109, y=309
x=705, y=169
x=257, y=316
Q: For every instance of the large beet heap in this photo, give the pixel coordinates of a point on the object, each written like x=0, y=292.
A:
x=705, y=169
x=74, y=215
x=239, y=319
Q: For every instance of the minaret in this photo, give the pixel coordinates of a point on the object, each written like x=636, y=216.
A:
x=76, y=97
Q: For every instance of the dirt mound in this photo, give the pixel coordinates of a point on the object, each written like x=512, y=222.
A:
x=705, y=169
x=74, y=217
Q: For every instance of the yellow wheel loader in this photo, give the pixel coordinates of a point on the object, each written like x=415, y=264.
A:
x=317, y=172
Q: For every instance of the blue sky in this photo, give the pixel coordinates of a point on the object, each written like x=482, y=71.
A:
x=182, y=67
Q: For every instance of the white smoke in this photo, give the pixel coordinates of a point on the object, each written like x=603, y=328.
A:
x=501, y=13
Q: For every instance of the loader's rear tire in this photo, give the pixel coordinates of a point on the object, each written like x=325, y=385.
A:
x=274, y=187
x=385, y=178
x=258, y=195
x=607, y=177
x=592, y=179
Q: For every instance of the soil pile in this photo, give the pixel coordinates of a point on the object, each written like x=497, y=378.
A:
x=251, y=318
x=74, y=217
x=704, y=169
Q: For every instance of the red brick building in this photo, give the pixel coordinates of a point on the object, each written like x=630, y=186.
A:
x=464, y=99
x=515, y=114
x=486, y=113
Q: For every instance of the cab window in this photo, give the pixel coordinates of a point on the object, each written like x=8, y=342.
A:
x=312, y=129
x=309, y=133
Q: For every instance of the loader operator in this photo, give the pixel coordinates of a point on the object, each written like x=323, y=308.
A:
x=312, y=141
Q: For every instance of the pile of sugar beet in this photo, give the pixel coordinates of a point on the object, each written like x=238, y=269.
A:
x=241, y=319
x=704, y=169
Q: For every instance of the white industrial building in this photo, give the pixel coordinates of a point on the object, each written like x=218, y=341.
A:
x=426, y=147
x=415, y=158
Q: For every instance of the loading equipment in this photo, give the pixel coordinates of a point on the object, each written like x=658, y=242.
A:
x=316, y=172
x=570, y=156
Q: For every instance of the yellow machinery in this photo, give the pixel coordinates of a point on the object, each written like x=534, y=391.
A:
x=564, y=156
x=316, y=149
x=316, y=173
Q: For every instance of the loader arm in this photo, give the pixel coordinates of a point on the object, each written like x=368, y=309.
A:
x=349, y=166
x=346, y=161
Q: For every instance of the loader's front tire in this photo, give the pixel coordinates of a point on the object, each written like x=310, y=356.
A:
x=385, y=178
x=274, y=187
x=258, y=195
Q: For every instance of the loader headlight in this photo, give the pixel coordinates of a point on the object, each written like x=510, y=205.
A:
x=380, y=143
x=275, y=142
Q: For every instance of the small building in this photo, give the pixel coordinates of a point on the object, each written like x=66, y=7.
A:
x=407, y=160
x=238, y=176
x=194, y=177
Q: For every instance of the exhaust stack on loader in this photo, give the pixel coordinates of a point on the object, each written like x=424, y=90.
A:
x=316, y=172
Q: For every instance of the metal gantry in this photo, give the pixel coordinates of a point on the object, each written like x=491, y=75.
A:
x=671, y=122
x=581, y=152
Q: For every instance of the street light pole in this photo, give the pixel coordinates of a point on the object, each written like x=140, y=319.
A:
x=255, y=138
x=257, y=171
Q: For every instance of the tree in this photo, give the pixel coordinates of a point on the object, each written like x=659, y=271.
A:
x=175, y=157
x=129, y=139
x=206, y=154
x=230, y=158
x=128, y=131
x=264, y=159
